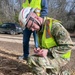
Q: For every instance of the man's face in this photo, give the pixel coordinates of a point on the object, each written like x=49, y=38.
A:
x=33, y=26
x=34, y=22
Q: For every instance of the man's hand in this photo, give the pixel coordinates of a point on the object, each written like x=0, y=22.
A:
x=41, y=52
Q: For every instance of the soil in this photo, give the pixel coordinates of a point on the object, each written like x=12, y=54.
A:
x=10, y=65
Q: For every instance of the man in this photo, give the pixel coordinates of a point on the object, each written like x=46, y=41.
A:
x=42, y=10
x=55, y=44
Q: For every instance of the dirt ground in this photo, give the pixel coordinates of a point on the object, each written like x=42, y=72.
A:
x=10, y=65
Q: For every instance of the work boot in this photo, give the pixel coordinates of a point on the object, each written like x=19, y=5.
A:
x=22, y=58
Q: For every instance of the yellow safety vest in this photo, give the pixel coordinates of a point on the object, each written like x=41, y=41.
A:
x=34, y=4
x=47, y=41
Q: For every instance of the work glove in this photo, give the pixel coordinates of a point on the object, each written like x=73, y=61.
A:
x=41, y=52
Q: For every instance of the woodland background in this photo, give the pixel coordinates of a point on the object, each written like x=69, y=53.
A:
x=63, y=10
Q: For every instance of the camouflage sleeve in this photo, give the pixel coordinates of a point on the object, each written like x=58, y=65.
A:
x=61, y=37
x=60, y=34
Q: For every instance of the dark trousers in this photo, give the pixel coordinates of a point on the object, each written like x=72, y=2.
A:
x=26, y=39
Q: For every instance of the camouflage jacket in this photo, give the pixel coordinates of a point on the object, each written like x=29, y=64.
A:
x=62, y=39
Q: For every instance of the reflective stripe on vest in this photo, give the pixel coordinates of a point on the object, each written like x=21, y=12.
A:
x=47, y=39
x=34, y=4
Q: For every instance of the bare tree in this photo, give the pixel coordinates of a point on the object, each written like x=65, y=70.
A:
x=64, y=11
x=9, y=9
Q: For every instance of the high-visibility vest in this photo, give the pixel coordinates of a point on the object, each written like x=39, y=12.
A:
x=33, y=4
x=47, y=41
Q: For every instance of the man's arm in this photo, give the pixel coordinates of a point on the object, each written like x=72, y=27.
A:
x=44, y=8
x=60, y=34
